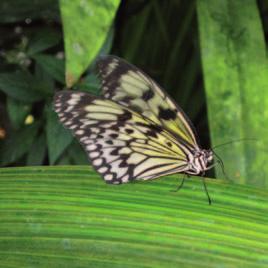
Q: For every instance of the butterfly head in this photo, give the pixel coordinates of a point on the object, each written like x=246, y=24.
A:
x=201, y=161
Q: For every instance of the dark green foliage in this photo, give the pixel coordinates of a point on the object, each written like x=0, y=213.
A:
x=20, y=10
x=23, y=86
x=52, y=66
x=37, y=152
x=32, y=69
x=17, y=111
x=58, y=138
x=17, y=144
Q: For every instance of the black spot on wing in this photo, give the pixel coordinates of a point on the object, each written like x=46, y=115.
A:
x=131, y=168
x=114, y=136
x=169, y=144
x=115, y=151
x=114, y=128
x=151, y=133
x=156, y=128
x=148, y=94
x=142, y=124
x=125, y=116
x=127, y=99
x=167, y=114
x=129, y=131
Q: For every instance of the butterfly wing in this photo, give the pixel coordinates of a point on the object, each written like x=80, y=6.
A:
x=129, y=86
x=121, y=144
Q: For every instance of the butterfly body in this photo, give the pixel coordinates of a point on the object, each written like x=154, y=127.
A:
x=199, y=162
x=134, y=131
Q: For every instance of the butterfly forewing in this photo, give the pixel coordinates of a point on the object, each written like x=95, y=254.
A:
x=122, y=144
x=129, y=86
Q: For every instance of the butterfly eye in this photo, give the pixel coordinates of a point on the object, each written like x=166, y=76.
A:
x=209, y=155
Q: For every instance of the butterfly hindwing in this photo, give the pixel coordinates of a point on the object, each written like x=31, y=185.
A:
x=129, y=86
x=121, y=144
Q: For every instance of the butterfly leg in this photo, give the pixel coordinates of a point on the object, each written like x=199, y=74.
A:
x=206, y=190
x=180, y=185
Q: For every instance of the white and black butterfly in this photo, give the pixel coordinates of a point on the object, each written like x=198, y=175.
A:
x=134, y=131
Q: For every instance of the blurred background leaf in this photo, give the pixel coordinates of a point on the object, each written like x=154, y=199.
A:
x=58, y=138
x=37, y=152
x=52, y=65
x=42, y=40
x=22, y=10
x=17, y=144
x=236, y=79
x=86, y=24
x=23, y=86
x=17, y=111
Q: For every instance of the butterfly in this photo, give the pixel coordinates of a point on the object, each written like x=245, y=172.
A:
x=134, y=130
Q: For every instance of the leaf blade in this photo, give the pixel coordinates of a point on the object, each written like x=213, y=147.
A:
x=82, y=45
x=74, y=213
x=235, y=70
x=58, y=138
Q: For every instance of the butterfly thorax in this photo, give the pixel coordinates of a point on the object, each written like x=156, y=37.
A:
x=199, y=161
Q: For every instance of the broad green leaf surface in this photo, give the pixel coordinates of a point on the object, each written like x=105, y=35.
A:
x=86, y=24
x=236, y=81
x=68, y=217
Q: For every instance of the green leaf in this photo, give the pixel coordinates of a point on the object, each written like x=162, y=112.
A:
x=86, y=25
x=236, y=81
x=77, y=154
x=68, y=217
x=17, y=144
x=108, y=43
x=58, y=138
x=37, y=152
x=41, y=74
x=42, y=40
x=17, y=111
x=64, y=160
x=23, y=86
x=52, y=65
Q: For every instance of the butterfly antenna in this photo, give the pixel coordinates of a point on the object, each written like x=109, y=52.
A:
x=219, y=160
x=206, y=190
